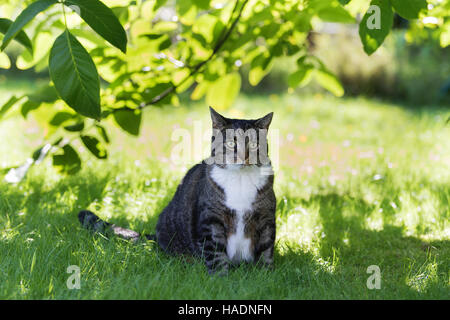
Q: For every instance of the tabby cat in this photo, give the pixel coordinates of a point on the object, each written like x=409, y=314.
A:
x=224, y=208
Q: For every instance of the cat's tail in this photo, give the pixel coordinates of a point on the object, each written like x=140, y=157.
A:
x=90, y=221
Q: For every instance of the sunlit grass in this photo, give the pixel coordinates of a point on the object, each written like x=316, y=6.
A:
x=358, y=183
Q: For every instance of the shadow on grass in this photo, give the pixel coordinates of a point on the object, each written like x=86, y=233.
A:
x=407, y=263
x=56, y=202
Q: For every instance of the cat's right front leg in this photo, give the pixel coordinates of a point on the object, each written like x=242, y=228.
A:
x=214, y=246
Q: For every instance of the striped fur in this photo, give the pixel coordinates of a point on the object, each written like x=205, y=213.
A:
x=224, y=213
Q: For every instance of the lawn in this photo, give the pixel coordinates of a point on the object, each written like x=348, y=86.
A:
x=358, y=183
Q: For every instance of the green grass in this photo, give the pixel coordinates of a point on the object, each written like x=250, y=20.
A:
x=359, y=183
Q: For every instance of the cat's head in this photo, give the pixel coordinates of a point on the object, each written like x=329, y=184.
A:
x=239, y=142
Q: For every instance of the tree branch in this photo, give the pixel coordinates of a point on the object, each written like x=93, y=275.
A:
x=198, y=66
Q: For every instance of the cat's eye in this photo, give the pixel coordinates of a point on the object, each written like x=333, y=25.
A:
x=230, y=144
x=253, y=145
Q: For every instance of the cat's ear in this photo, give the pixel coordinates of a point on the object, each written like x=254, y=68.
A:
x=218, y=121
x=265, y=121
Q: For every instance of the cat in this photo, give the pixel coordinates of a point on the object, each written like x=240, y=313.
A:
x=224, y=208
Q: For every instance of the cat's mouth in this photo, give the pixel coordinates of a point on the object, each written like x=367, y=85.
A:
x=243, y=163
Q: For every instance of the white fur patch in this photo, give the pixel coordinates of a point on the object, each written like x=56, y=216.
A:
x=240, y=185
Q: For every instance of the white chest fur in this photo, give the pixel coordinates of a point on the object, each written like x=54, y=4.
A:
x=240, y=185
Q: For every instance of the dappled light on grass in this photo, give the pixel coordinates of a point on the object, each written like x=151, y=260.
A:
x=8, y=232
x=355, y=188
x=423, y=277
x=299, y=226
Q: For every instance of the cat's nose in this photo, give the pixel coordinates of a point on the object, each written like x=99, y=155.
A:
x=243, y=159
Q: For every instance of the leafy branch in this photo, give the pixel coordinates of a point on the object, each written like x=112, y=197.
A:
x=222, y=40
x=200, y=35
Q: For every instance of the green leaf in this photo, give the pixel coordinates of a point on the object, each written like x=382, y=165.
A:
x=200, y=90
x=42, y=45
x=21, y=36
x=165, y=43
x=102, y=19
x=121, y=13
x=209, y=27
x=79, y=126
x=129, y=120
x=8, y=105
x=302, y=21
x=301, y=77
x=5, y=63
x=94, y=146
x=187, y=11
x=26, y=16
x=60, y=117
x=159, y=4
x=376, y=25
x=259, y=67
x=163, y=26
x=152, y=36
x=445, y=35
x=329, y=81
x=222, y=93
x=67, y=161
x=152, y=92
x=202, y=4
x=37, y=153
x=47, y=94
x=335, y=13
x=409, y=9
x=101, y=130
x=28, y=107
x=75, y=76
x=344, y=2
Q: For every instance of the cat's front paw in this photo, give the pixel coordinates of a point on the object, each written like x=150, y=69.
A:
x=221, y=271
